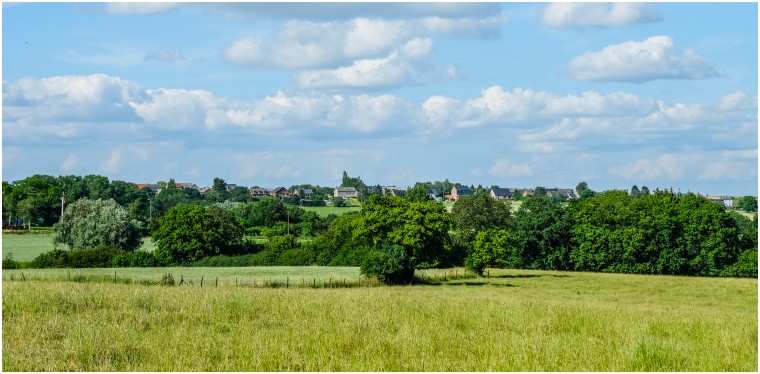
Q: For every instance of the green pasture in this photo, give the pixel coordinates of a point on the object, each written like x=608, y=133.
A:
x=511, y=321
x=324, y=211
x=25, y=247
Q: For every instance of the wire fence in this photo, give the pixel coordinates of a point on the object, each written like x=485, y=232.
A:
x=434, y=276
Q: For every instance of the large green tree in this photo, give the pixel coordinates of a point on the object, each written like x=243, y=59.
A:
x=747, y=204
x=187, y=233
x=92, y=224
x=421, y=228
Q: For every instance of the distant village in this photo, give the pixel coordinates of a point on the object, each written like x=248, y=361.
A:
x=456, y=192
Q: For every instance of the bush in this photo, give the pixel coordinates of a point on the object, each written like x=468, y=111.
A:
x=9, y=263
x=56, y=258
x=391, y=265
x=745, y=266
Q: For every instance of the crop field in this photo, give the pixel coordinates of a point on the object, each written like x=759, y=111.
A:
x=511, y=321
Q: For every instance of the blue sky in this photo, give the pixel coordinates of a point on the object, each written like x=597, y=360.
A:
x=511, y=94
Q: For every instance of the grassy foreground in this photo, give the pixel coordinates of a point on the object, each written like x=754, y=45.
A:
x=514, y=321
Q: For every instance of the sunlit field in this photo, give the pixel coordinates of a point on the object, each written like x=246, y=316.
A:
x=511, y=321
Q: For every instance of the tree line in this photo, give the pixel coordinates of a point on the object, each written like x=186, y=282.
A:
x=658, y=232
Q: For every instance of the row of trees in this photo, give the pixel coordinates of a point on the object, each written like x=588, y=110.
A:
x=614, y=231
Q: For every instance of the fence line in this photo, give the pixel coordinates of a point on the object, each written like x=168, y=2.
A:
x=424, y=277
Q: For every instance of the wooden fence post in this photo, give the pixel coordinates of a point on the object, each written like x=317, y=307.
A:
x=114, y=276
x=315, y=282
x=22, y=276
x=287, y=282
x=236, y=284
x=217, y=282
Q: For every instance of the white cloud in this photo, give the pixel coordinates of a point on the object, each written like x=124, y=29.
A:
x=582, y=15
x=670, y=166
x=466, y=27
x=139, y=8
x=504, y=168
x=592, y=103
x=737, y=101
x=731, y=170
x=170, y=55
x=654, y=58
x=304, y=44
x=69, y=163
x=89, y=97
x=113, y=163
x=176, y=108
x=406, y=65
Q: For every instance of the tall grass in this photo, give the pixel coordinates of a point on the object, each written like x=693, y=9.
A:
x=512, y=321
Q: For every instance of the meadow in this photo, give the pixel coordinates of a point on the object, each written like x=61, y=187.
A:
x=324, y=211
x=25, y=247
x=514, y=320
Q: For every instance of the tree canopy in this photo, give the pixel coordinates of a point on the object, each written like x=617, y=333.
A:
x=93, y=224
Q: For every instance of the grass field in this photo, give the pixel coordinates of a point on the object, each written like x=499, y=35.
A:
x=513, y=321
x=26, y=247
x=324, y=211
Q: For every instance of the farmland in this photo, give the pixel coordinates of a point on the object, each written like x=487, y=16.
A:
x=25, y=247
x=515, y=320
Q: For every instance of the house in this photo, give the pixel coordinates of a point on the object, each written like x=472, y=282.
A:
x=305, y=193
x=257, y=192
x=524, y=192
x=564, y=193
x=394, y=191
x=345, y=192
x=280, y=192
x=153, y=187
x=501, y=193
x=727, y=201
x=459, y=191
x=231, y=186
x=434, y=195
x=206, y=190
x=187, y=185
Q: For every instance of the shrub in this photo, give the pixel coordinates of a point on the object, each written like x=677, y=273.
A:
x=9, y=263
x=745, y=266
x=391, y=265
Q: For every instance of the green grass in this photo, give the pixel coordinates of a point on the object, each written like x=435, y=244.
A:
x=26, y=247
x=512, y=321
x=324, y=211
x=225, y=275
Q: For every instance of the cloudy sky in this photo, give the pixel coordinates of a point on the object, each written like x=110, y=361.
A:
x=513, y=94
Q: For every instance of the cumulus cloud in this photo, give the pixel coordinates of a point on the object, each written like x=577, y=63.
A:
x=581, y=15
x=670, y=166
x=504, y=168
x=176, y=108
x=737, y=101
x=406, y=65
x=304, y=44
x=654, y=58
x=139, y=8
x=171, y=55
x=90, y=97
x=728, y=170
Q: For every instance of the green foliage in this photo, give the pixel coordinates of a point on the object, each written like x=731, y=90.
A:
x=188, y=233
x=418, y=193
x=90, y=224
x=391, y=265
x=9, y=263
x=541, y=235
x=338, y=202
x=747, y=204
x=745, y=266
x=93, y=258
x=494, y=248
x=420, y=228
